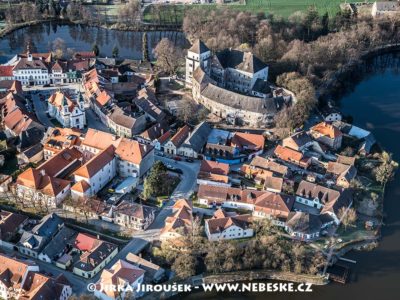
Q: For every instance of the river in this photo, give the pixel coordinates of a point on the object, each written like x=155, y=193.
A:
x=82, y=38
x=374, y=104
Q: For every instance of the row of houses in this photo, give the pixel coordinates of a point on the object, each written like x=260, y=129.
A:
x=51, y=241
x=80, y=165
x=213, y=144
x=127, y=117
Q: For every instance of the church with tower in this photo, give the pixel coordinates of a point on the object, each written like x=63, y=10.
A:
x=68, y=112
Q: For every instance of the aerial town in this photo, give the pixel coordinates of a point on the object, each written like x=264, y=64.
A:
x=188, y=166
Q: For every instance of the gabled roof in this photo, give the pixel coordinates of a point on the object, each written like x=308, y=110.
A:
x=180, y=136
x=214, y=167
x=218, y=225
x=134, y=210
x=248, y=141
x=95, y=164
x=288, y=154
x=99, y=139
x=267, y=164
x=304, y=222
x=121, y=273
x=132, y=151
x=59, y=100
x=236, y=59
x=327, y=129
x=198, y=47
x=81, y=186
x=198, y=137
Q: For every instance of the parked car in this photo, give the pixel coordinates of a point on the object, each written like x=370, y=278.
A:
x=179, y=171
x=177, y=158
x=189, y=160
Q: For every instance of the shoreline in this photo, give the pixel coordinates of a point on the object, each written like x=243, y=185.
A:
x=142, y=27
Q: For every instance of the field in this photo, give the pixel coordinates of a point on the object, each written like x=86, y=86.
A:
x=283, y=8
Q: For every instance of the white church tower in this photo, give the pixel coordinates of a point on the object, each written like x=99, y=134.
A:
x=198, y=56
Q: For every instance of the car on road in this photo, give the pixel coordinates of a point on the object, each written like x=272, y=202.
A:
x=177, y=158
x=46, y=85
x=169, y=166
x=189, y=160
x=179, y=171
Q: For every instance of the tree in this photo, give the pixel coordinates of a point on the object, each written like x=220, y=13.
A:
x=130, y=12
x=168, y=56
x=145, y=48
x=96, y=49
x=348, y=218
x=115, y=51
x=184, y=265
x=59, y=48
x=154, y=183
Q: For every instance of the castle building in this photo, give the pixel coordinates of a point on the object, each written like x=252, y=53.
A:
x=233, y=85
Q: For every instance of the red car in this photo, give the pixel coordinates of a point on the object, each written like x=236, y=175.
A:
x=177, y=158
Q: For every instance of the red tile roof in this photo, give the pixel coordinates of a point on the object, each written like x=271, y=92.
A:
x=214, y=167
x=180, y=136
x=6, y=71
x=248, y=141
x=95, y=164
x=132, y=151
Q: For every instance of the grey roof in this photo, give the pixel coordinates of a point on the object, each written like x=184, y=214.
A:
x=48, y=225
x=304, y=222
x=150, y=109
x=261, y=86
x=36, y=242
x=244, y=61
x=31, y=136
x=311, y=190
x=239, y=101
x=345, y=200
x=301, y=138
x=198, y=138
x=57, y=245
x=32, y=151
x=199, y=47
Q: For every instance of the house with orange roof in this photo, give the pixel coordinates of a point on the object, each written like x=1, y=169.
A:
x=96, y=172
x=171, y=147
x=96, y=140
x=14, y=273
x=213, y=173
x=134, y=159
x=248, y=141
x=328, y=134
x=123, y=274
x=93, y=253
x=180, y=222
x=6, y=73
x=49, y=183
x=292, y=157
x=57, y=139
x=68, y=112
x=228, y=227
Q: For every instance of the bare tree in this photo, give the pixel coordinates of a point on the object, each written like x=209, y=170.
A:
x=169, y=57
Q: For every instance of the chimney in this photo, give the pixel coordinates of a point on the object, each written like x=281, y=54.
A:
x=42, y=172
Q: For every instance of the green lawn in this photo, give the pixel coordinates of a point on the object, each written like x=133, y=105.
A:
x=282, y=8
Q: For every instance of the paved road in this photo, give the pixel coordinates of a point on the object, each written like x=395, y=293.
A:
x=40, y=110
x=188, y=179
x=93, y=121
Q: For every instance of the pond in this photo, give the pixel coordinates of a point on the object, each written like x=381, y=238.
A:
x=82, y=38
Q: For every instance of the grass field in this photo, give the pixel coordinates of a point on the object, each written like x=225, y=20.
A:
x=283, y=8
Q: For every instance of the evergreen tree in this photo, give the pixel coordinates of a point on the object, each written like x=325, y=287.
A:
x=96, y=49
x=145, y=49
x=115, y=52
